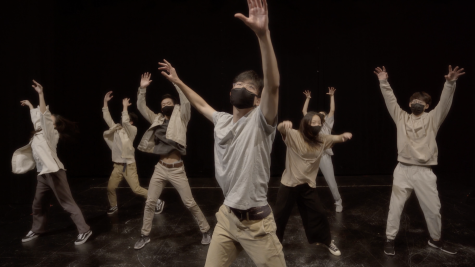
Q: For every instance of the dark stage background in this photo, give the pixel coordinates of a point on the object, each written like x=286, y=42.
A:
x=79, y=50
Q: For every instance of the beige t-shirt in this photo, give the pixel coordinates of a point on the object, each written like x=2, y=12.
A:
x=302, y=161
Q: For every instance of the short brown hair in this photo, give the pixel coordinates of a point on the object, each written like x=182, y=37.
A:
x=250, y=75
x=423, y=96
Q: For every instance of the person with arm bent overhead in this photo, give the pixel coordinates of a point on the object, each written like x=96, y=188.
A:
x=326, y=164
x=52, y=179
x=120, y=139
x=167, y=137
x=417, y=153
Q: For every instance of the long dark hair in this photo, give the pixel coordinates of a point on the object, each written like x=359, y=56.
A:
x=68, y=130
x=305, y=129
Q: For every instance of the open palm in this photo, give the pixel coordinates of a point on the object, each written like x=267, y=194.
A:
x=454, y=74
x=382, y=73
x=258, y=20
x=145, y=80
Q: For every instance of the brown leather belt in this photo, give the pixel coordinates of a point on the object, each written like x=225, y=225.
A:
x=173, y=165
x=256, y=213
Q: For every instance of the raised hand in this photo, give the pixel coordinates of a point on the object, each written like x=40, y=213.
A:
x=454, y=74
x=26, y=103
x=108, y=96
x=38, y=87
x=145, y=80
x=169, y=71
x=307, y=93
x=331, y=91
x=382, y=74
x=258, y=19
x=126, y=102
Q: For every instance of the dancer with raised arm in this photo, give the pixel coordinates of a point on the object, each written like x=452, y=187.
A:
x=242, y=145
x=326, y=164
x=41, y=153
x=167, y=137
x=305, y=148
x=120, y=139
x=417, y=153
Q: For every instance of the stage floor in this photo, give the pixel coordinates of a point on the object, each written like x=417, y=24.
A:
x=359, y=231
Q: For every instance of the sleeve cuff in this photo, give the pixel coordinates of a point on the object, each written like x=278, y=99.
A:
x=105, y=109
x=125, y=112
x=142, y=90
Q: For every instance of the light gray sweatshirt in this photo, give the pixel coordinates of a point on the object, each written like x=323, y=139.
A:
x=416, y=143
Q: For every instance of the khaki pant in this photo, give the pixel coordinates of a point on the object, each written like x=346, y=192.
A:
x=178, y=179
x=256, y=237
x=423, y=182
x=55, y=183
x=130, y=175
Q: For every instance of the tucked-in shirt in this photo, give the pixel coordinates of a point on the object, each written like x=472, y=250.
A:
x=416, y=142
x=164, y=146
x=302, y=161
x=327, y=130
x=242, y=158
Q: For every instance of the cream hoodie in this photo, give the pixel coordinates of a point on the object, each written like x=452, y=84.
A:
x=416, y=143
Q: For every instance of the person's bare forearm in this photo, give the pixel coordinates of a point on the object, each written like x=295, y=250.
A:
x=196, y=100
x=269, y=64
x=105, y=104
x=270, y=93
x=305, y=106
x=332, y=105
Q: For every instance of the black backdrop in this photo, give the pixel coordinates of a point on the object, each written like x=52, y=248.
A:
x=81, y=49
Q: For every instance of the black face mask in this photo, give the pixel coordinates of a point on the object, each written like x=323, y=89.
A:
x=242, y=98
x=167, y=110
x=316, y=129
x=417, y=109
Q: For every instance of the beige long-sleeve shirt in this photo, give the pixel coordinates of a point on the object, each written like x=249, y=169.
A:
x=302, y=161
x=120, y=138
x=41, y=151
x=177, y=126
x=416, y=143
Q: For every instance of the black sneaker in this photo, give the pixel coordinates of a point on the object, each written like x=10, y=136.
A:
x=142, y=242
x=30, y=236
x=112, y=210
x=82, y=238
x=159, y=206
x=389, y=247
x=441, y=245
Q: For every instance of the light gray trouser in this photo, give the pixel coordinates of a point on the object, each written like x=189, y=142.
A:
x=326, y=166
x=177, y=177
x=55, y=183
x=424, y=183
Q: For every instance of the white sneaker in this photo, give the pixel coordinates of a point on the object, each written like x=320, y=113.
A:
x=333, y=249
x=30, y=236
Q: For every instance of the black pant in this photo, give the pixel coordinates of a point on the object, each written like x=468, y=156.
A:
x=311, y=210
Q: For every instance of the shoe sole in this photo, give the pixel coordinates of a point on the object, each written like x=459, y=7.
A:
x=146, y=242
x=335, y=253
x=163, y=206
x=84, y=241
x=28, y=239
x=445, y=251
x=110, y=213
x=390, y=254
